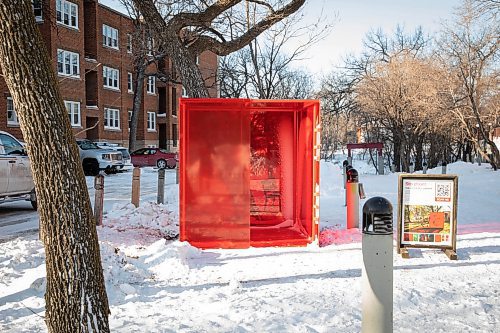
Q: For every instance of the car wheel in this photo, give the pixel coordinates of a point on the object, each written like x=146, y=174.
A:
x=91, y=168
x=33, y=201
x=171, y=164
x=161, y=164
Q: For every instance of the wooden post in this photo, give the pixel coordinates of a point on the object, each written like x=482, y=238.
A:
x=177, y=172
x=161, y=186
x=136, y=186
x=99, y=198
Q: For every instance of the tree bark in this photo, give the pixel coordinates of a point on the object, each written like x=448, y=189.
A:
x=136, y=108
x=75, y=298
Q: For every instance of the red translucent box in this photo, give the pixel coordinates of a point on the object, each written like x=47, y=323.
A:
x=249, y=172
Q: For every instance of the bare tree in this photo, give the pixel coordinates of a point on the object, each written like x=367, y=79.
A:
x=265, y=65
x=183, y=30
x=470, y=49
x=75, y=297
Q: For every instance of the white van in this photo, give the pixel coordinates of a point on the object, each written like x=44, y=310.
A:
x=16, y=181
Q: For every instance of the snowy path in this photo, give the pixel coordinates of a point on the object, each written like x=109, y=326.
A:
x=156, y=285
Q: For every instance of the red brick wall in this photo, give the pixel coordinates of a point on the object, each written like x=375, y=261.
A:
x=86, y=39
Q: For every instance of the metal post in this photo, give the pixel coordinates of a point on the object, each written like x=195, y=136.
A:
x=136, y=186
x=377, y=274
x=349, y=160
x=424, y=168
x=443, y=168
x=352, y=195
x=344, y=166
x=98, y=198
x=161, y=186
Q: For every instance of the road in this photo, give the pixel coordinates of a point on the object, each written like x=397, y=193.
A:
x=16, y=219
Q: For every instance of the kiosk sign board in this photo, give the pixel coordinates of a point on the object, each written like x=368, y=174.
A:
x=427, y=211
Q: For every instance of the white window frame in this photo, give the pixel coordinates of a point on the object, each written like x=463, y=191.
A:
x=73, y=109
x=38, y=8
x=66, y=10
x=110, y=37
x=129, y=118
x=184, y=92
x=111, y=78
x=129, y=43
x=14, y=121
x=68, y=63
x=130, y=82
x=151, y=121
x=151, y=85
x=111, y=119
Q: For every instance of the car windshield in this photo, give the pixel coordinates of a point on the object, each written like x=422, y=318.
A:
x=124, y=152
x=86, y=145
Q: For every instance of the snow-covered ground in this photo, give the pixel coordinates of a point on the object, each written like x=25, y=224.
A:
x=156, y=284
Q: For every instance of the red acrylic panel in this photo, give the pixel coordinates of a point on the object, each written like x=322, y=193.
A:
x=269, y=193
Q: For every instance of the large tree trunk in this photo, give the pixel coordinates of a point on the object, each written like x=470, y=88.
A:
x=136, y=108
x=75, y=298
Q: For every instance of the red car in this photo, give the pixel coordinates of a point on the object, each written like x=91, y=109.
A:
x=154, y=157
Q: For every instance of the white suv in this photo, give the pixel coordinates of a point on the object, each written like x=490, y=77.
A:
x=16, y=181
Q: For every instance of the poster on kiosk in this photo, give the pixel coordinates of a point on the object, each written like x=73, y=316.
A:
x=427, y=214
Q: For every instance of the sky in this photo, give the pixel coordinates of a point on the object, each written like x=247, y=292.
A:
x=354, y=18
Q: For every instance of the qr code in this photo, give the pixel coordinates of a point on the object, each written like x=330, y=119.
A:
x=443, y=191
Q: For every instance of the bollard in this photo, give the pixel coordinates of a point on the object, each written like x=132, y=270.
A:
x=424, y=168
x=344, y=167
x=443, y=168
x=98, y=197
x=479, y=159
x=161, y=186
x=352, y=198
x=380, y=165
x=136, y=186
x=347, y=168
x=412, y=167
x=377, y=275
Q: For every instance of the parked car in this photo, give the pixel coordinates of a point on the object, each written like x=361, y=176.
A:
x=16, y=180
x=127, y=161
x=95, y=159
x=158, y=157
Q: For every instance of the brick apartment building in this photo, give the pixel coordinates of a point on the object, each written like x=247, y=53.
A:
x=90, y=47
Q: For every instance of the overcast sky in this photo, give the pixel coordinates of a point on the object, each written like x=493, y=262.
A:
x=356, y=17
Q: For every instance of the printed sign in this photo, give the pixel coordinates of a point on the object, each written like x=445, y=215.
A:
x=427, y=211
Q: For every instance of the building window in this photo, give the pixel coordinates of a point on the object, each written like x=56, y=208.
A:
x=68, y=63
x=150, y=46
x=129, y=118
x=151, y=86
x=67, y=13
x=11, y=113
x=109, y=36
x=111, y=118
x=73, y=109
x=37, y=10
x=130, y=82
x=129, y=43
x=111, y=77
x=174, y=101
x=174, y=135
x=184, y=92
x=151, y=121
